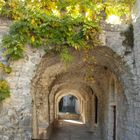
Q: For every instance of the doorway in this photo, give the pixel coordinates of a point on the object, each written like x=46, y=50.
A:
x=112, y=112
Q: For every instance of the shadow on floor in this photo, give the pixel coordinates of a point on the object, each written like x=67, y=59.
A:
x=74, y=130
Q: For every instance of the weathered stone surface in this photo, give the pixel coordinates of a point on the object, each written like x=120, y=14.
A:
x=38, y=82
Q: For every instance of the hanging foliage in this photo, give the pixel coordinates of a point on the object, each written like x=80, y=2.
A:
x=56, y=25
x=5, y=68
x=4, y=90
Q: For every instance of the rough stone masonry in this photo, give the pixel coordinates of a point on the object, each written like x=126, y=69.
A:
x=39, y=80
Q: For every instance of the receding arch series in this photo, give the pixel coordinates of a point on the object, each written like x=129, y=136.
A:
x=107, y=81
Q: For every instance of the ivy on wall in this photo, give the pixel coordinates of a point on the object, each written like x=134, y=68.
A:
x=52, y=32
x=4, y=86
x=57, y=25
x=4, y=90
x=5, y=68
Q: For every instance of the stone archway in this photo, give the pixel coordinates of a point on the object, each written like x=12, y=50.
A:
x=75, y=94
x=70, y=107
x=53, y=79
x=75, y=91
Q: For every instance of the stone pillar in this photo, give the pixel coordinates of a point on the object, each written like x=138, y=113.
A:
x=34, y=123
x=136, y=24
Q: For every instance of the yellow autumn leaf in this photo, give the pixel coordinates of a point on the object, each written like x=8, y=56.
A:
x=76, y=47
x=33, y=39
x=32, y=21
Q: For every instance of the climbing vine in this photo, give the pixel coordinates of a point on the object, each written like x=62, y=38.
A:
x=4, y=90
x=56, y=25
x=5, y=68
x=4, y=86
x=50, y=31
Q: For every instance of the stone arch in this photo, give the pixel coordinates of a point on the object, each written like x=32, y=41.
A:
x=52, y=73
x=64, y=89
x=73, y=93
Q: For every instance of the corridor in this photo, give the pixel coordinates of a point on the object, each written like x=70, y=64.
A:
x=94, y=95
x=72, y=131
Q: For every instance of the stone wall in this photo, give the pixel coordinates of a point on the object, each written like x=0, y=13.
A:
x=136, y=24
x=15, y=112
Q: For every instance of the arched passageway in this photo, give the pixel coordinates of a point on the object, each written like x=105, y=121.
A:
x=98, y=87
x=69, y=108
x=69, y=104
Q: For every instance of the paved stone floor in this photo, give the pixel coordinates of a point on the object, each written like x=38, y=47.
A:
x=70, y=131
